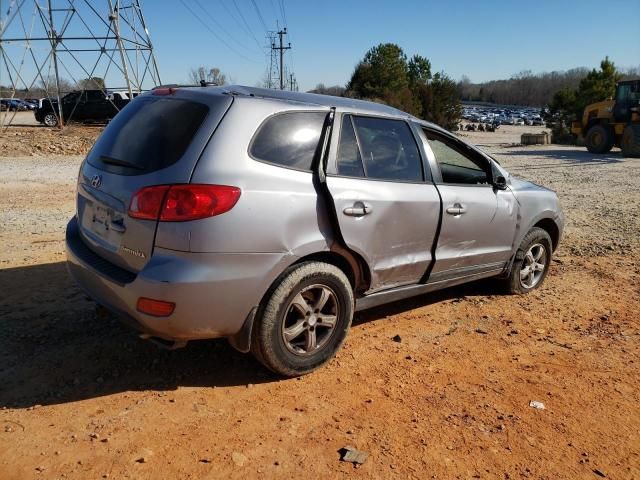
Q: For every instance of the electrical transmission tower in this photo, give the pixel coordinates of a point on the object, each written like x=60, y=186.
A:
x=277, y=69
x=50, y=47
x=273, y=76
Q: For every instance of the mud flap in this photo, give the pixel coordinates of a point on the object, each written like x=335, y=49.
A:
x=241, y=341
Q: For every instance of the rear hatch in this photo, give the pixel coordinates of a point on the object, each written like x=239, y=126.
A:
x=156, y=139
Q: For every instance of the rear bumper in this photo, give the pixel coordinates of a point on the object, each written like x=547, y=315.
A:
x=213, y=292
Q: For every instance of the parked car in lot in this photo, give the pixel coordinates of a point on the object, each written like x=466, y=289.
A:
x=80, y=106
x=270, y=217
x=12, y=104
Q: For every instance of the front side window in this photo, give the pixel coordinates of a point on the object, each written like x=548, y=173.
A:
x=388, y=149
x=289, y=139
x=455, y=166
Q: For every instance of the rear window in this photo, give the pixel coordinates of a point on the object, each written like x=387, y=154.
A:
x=289, y=139
x=149, y=134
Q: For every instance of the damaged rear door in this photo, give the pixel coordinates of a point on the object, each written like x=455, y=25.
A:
x=387, y=209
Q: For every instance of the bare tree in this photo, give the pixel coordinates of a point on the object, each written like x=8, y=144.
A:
x=523, y=88
x=336, y=90
x=93, y=83
x=48, y=86
x=206, y=74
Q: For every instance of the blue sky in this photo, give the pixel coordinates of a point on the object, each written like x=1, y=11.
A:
x=482, y=39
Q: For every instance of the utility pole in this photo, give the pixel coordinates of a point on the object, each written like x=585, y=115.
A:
x=281, y=48
x=293, y=83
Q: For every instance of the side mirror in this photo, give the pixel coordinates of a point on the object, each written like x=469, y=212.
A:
x=500, y=183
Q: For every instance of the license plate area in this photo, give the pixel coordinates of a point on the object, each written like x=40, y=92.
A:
x=100, y=219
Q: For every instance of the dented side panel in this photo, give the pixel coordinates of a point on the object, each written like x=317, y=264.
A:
x=483, y=234
x=396, y=237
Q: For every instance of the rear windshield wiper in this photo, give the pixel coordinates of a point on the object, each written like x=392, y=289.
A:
x=120, y=163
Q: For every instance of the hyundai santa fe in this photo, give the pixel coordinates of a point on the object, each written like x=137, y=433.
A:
x=270, y=217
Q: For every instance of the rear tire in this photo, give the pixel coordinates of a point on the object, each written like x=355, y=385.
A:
x=532, y=262
x=599, y=139
x=631, y=141
x=304, y=319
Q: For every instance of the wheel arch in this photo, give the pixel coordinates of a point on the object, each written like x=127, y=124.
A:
x=550, y=226
x=350, y=263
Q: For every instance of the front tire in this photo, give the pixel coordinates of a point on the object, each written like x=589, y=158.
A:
x=50, y=120
x=304, y=319
x=532, y=262
x=599, y=139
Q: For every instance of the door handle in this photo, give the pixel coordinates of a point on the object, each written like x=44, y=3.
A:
x=456, y=209
x=359, y=209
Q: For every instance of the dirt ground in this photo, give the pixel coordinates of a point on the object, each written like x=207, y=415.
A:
x=82, y=397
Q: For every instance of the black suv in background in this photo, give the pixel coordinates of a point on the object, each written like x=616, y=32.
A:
x=81, y=106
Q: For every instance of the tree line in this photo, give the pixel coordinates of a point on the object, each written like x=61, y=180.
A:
x=46, y=87
x=527, y=88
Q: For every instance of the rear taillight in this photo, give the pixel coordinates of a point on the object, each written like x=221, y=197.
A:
x=147, y=203
x=180, y=203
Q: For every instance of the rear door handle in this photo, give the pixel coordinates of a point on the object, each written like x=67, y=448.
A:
x=359, y=209
x=457, y=209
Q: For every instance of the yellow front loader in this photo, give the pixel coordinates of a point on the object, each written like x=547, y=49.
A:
x=613, y=122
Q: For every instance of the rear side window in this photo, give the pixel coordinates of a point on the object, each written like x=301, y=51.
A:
x=349, y=162
x=289, y=139
x=149, y=134
x=388, y=149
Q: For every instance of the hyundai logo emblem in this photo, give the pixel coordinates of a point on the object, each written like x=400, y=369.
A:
x=96, y=181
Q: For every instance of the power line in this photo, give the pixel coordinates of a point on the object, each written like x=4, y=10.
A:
x=212, y=18
x=255, y=5
x=241, y=24
x=277, y=12
x=244, y=20
x=282, y=11
x=214, y=33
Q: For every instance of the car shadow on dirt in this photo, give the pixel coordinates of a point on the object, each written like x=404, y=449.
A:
x=578, y=157
x=54, y=348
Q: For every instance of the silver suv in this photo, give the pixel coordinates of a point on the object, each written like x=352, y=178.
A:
x=270, y=217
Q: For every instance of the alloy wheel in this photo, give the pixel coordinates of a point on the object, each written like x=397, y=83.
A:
x=310, y=320
x=533, y=266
